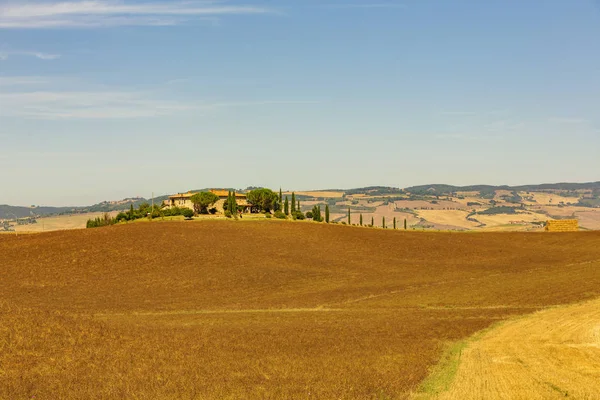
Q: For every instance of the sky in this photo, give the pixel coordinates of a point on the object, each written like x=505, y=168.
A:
x=106, y=99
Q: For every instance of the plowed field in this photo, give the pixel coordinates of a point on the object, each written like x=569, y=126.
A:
x=263, y=309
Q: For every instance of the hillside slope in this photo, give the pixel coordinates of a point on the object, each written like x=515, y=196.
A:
x=267, y=309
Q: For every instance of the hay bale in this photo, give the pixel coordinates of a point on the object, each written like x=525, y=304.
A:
x=562, y=225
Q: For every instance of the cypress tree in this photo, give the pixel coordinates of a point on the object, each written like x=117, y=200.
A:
x=405, y=226
x=298, y=208
x=280, y=196
x=234, y=208
x=131, y=212
x=361, y=222
x=286, y=206
x=327, y=213
x=349, y=216
x=293, y=202
x=372, y=221
x=394, y=222
x=383, y=223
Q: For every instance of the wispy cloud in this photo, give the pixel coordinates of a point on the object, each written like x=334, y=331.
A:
x=562, y=120
x=103, y=13
x=365, y=5
x=5, y=55
x=62, y=99
x=21, y=80
x=459, y=113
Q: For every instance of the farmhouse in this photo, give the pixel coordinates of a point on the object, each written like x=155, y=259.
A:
x=183, y=200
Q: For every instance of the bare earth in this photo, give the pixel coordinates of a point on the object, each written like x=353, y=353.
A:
x=551, y=354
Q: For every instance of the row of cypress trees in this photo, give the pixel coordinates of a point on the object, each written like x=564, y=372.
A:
x=294, y=208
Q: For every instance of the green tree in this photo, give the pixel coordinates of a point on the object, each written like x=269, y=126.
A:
x=280, y=196
x=187, y=213
x=202, y=201
x=263, y=198
x=286, y=206
x=131, y=214
x=405, y=225
x=348, y=215
x=372, y=221
x=361, y=220
x=383, y=222
x=394, y=222
x=327, y=213
x=233, y=206
x=293, y=202
x=298, y=206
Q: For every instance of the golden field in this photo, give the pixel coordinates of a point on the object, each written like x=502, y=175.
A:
x=264, y=309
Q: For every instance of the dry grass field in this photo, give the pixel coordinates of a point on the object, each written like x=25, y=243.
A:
x=61, y=222
x=263, y=309
x=455, y=218
x=551, y=354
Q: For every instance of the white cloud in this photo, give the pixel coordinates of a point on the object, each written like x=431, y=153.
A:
x=366, y=5
x=103, y=13
x=5, y=55
x=21, y=80
x=63, y=98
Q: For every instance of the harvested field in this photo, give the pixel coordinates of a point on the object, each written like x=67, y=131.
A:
x=61, y=222
x=551, y=354
x=547, y=199
x=455, y=218
x=506, y=219
x=589, y=219
x=441, y=205
x=263, y=309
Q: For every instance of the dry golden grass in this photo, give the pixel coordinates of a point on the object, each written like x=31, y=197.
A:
x=58, y=223
x=505, y=219
x=263, y=309
x=318, y=194
x=542, y=198
x=456, y=218
x=551, y=354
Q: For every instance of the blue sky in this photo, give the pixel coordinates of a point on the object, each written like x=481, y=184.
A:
x=101, y=100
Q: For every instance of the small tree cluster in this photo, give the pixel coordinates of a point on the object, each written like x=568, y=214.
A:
x=316, y=214
x=264, y=199
x=99, y=222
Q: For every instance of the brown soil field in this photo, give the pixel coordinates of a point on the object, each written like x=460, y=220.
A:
x=264, y=309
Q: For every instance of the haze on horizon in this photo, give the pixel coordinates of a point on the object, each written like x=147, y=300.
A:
x=101, y=100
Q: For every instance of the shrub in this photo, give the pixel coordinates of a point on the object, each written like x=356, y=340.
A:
x=299, y=215
x=228, y=214
x=280, y=214
x=309, y=214
x=187, y=213
x=268, y=215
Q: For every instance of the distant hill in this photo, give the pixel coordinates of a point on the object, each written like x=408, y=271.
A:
x=441, y=189
x=486, y=191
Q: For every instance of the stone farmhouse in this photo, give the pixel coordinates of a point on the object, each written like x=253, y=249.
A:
x=183, y=200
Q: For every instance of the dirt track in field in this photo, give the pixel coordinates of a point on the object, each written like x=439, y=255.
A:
x=264, y=309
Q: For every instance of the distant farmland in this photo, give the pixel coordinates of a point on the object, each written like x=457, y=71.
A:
x=264, y=309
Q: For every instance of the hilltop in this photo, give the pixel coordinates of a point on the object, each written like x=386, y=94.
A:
x=435, y=206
